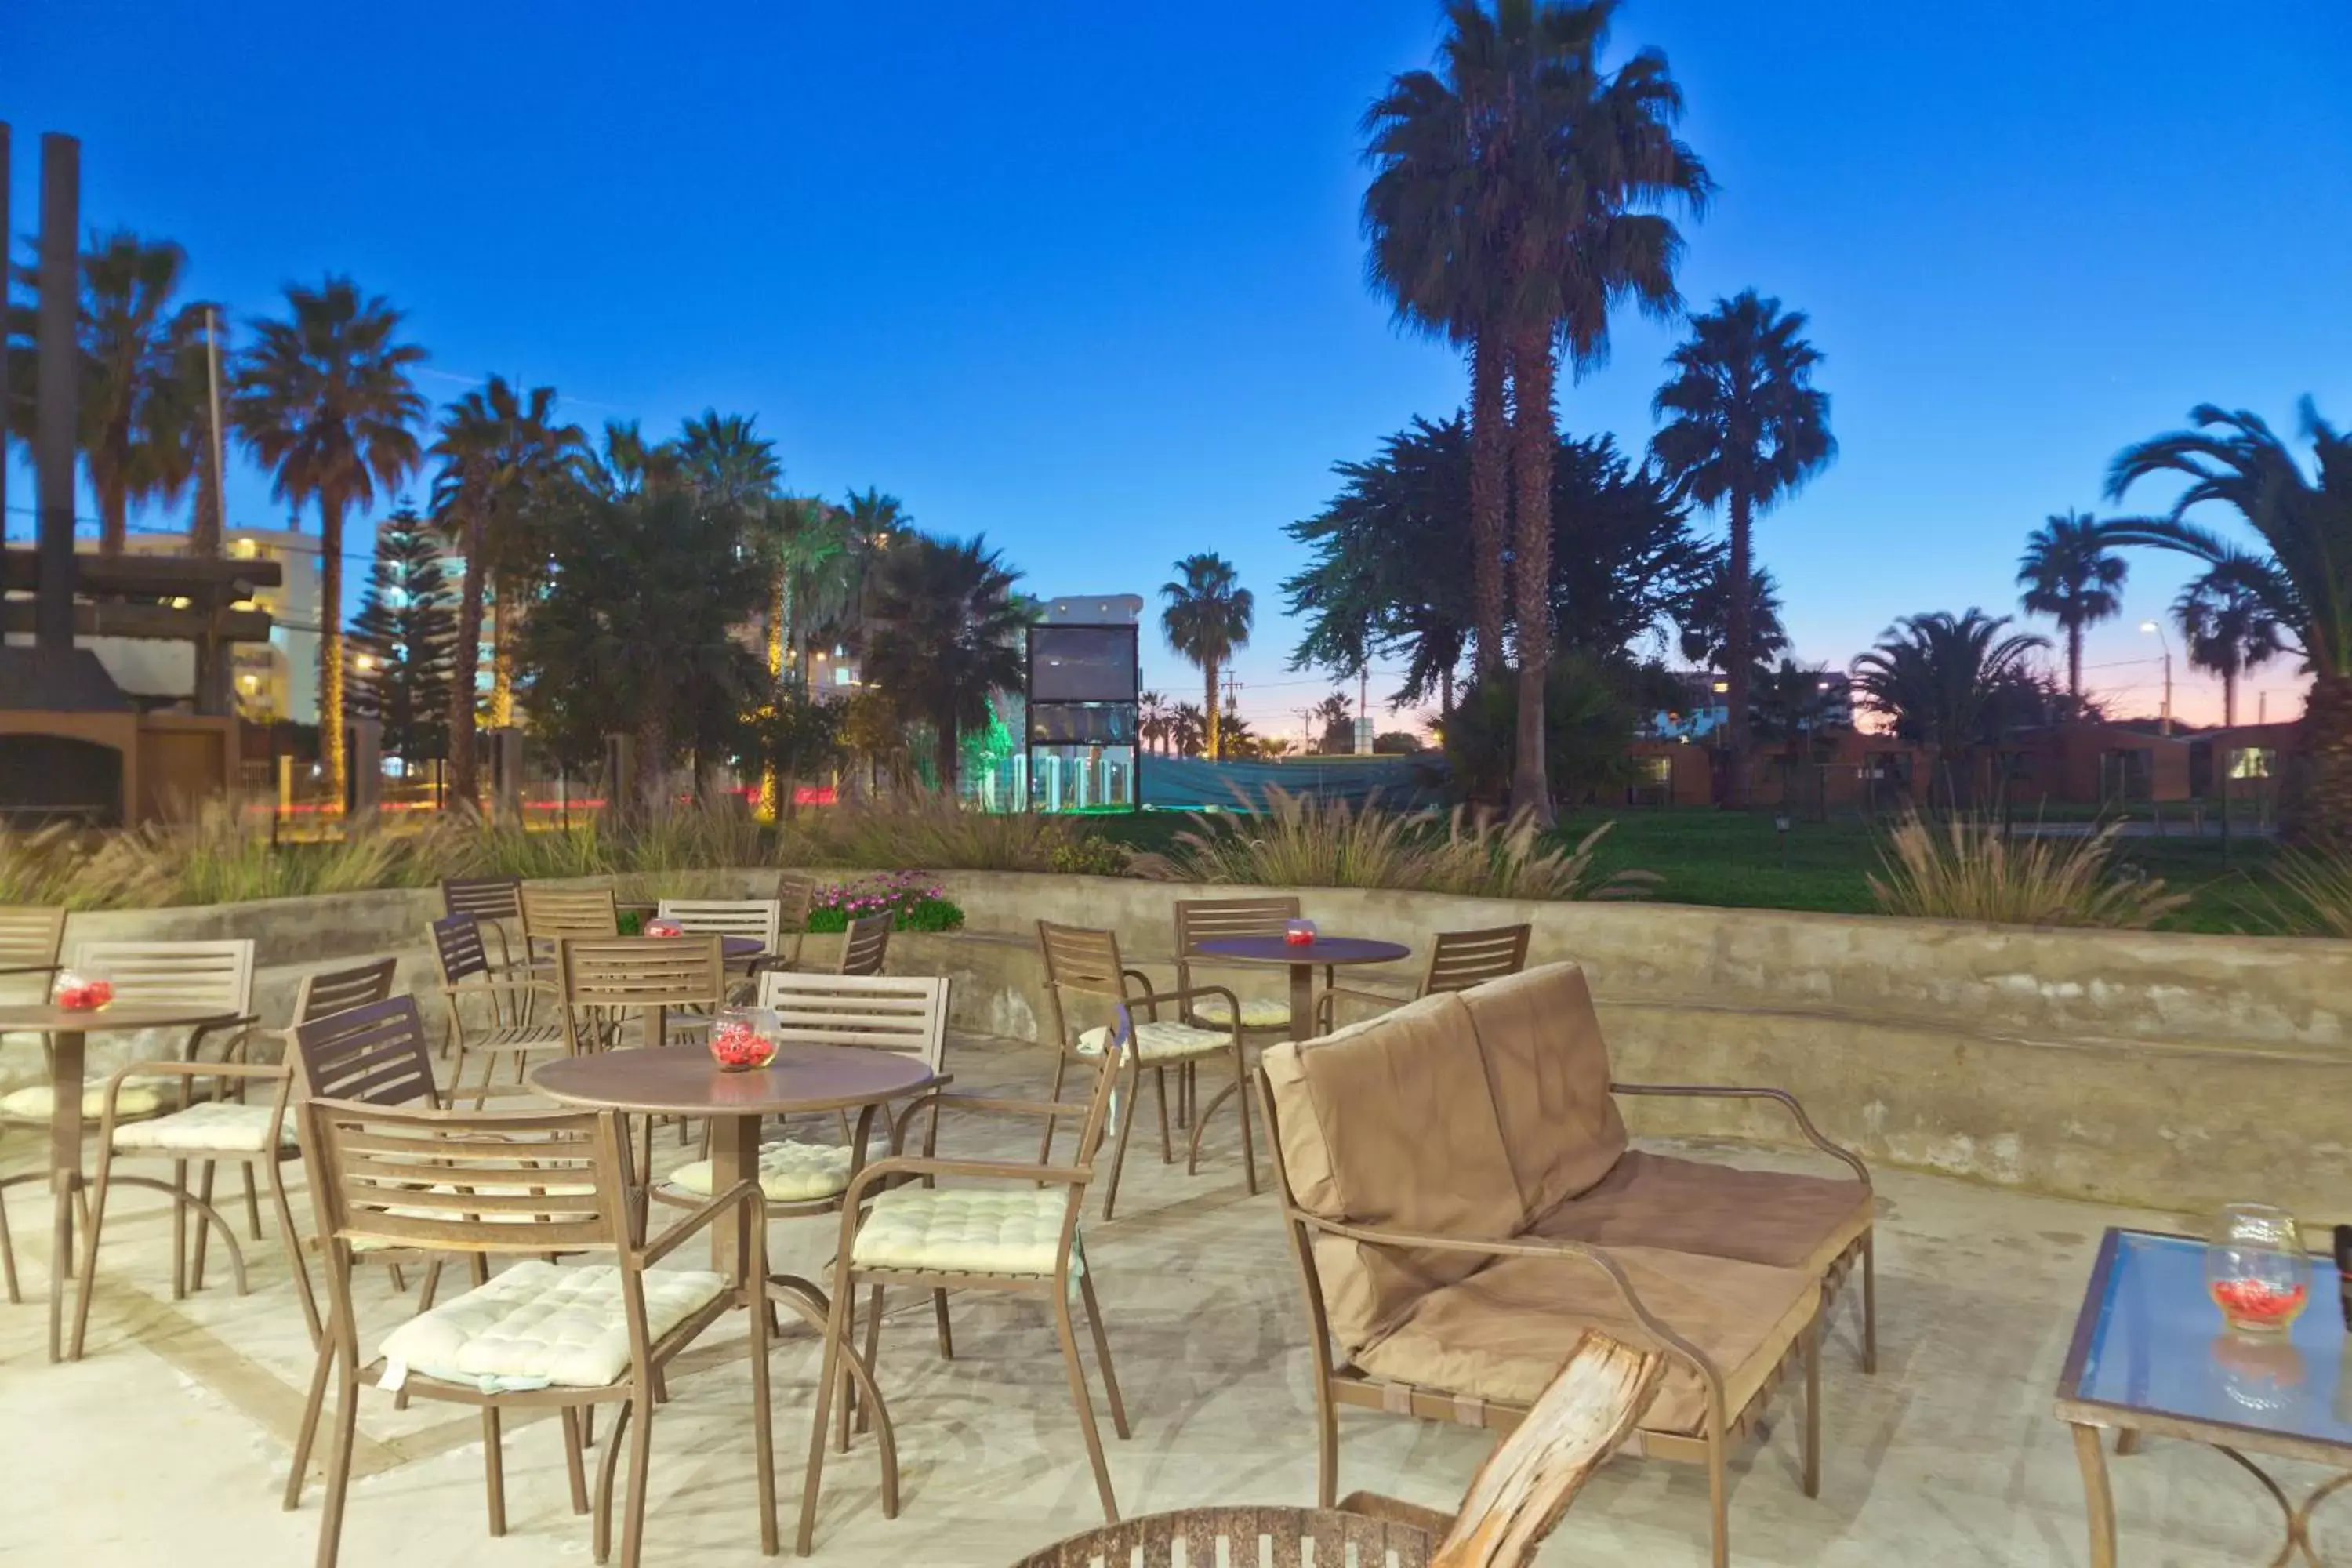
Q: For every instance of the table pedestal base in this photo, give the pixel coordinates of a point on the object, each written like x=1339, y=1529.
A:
x=2099, y=1497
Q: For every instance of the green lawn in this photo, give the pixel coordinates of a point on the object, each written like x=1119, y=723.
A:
x=1735, y=860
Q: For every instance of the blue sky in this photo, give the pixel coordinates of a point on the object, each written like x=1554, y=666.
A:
x=1088, y=279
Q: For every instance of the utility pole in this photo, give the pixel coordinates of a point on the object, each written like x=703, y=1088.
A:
x=53, y=441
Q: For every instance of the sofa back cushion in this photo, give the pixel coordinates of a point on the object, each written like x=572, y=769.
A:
x=1389, y=1124
x=1547, y=1068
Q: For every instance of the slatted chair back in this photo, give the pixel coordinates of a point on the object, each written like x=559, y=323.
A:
x=333, y=990
x=1205, y=919
x=795, y=896
x=864, y=945
x=496, y=1181
x=642, y=972
x=457, y=948
x=1465, y=958
x=550, y=914
x=761, y=919
x=484, y=897
x=376, y=1054
x=1082, y=966
x=197, y=976
x=907, y=1013
x=31, y=937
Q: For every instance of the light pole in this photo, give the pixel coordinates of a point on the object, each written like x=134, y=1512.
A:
x=2167, y=644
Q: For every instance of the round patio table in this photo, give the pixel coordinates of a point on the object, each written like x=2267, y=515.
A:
x=684, y=1081
x=67, y=1030
x=1304, y=958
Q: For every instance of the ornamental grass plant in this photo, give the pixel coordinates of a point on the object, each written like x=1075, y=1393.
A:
x=1974, y=867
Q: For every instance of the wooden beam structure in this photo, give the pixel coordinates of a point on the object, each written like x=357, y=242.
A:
x=190, y=577
x=155, y=623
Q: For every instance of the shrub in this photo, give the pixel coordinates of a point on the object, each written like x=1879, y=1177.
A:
x=914, y=900
x=929, y=829
x=2313, y=890
x=1090, y=855
x=1970, y=867
x=1307, y=841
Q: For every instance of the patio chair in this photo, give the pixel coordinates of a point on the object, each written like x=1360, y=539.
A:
x=1459, y=960
x=168, y=973
x=550, y=914
x=1017, y=1232
x=795, y=897
x=1265, y=1017
x=1083, y=967
x=864, y=945
x=490, y=1016
x=210, y=1129
x=31, y=936
x=540, y=1334
x=758, y=918
x=603, y=980
x=496, y=902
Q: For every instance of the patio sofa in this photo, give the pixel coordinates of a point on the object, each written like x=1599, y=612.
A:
x=1463, y=1204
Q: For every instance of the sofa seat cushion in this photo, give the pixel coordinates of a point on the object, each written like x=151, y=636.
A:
x=1006, y=1230
x=540, y=1323
x=1720, y=1211
x=1540, y=1043
x=1160, y=1040
x=1257, y=1012
x=35, y=1102
x=1504, y=1333
x=216, y=1126
x=790, y=1173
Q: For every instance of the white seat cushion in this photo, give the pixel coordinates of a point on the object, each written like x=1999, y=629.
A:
x=1257, y=1012
x=965, y=1230
x=790, y=1173
x=1161, y=1040
x=35, y=1102
x=539, y=1323
x=221, y=1126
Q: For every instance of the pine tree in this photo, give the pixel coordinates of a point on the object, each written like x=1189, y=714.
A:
x=408, y=629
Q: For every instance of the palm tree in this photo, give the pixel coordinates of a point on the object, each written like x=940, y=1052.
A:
x=943, y=635
x=1188, y=729
x=1508, y=219
x=813, y=578
x=1744, y=428
x=1151, y=720
x=2227, y=626
x=1705, y=618
x=1208, y=614
x=324, y=400
x=1939, y=678
x=503, y=459
x=2235, y=460
x=723, y=456
x=2069, y=575
x=626, y=464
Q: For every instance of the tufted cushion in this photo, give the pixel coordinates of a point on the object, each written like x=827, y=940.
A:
x=1161, y=1041
x=36, y=1102
x=537, y=1323
x=218, y=1126
x=965, y=1230
x=1548, y=1065
x=790, y=1173
x=1257, y=1012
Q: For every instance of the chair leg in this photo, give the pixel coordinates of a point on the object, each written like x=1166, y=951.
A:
x=252, y=1204
x=494, y=1470
x=641, y=1453
x=1718, y=1497
x=1126, y=1129
x=1869, y=1302
x=1327, y=1442
x=848, y=1393
x=764, y=1435
x=91, y=1223
x=292, y=1242
x=575, y=1468
x=873, y=1346
x=1080, y=1398
x=8, y=1257
x=836, y=1327
x=179, y=1232
x=308, y=1432
x=601, y=1533
x=1045, y=1143
x=1812, y=1435
x=206, y=1169
x=1102, y=1353
x=947, y=1335
x=338, y=1456
x=1160, y=1093
x=1242, y=1091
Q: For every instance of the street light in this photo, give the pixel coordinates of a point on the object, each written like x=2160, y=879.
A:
x=2146, y=627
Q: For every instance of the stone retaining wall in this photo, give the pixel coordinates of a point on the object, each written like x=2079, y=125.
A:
x=2170, y=1070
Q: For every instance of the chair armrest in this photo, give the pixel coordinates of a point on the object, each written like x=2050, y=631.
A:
x=741, y=1194
x=900, y=1167
x=1537, y=1247
x=186, y=1071
x=198, y=1035
x=470, y=987
x=935, y=1098
x=1325, y=1012
x=1778, y=1096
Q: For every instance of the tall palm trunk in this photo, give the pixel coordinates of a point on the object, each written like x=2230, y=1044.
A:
x=1210, y=724
x=113, y=516
x=2075, y=663
x=943, y=753
x=653, y=759
x=2325, y=813
x=331, y=645
x=1490, y=452
x=465, y=782
x=1736, y=652
x=1533, y=440
x=501, y=652
x=205, y=529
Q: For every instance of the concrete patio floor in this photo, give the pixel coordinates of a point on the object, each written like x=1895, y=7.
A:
x=169, y=1444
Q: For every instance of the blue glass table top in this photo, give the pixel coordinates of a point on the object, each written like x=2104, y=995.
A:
x=2151, y=1339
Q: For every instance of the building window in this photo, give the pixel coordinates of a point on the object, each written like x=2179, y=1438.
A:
x=2251, y=762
